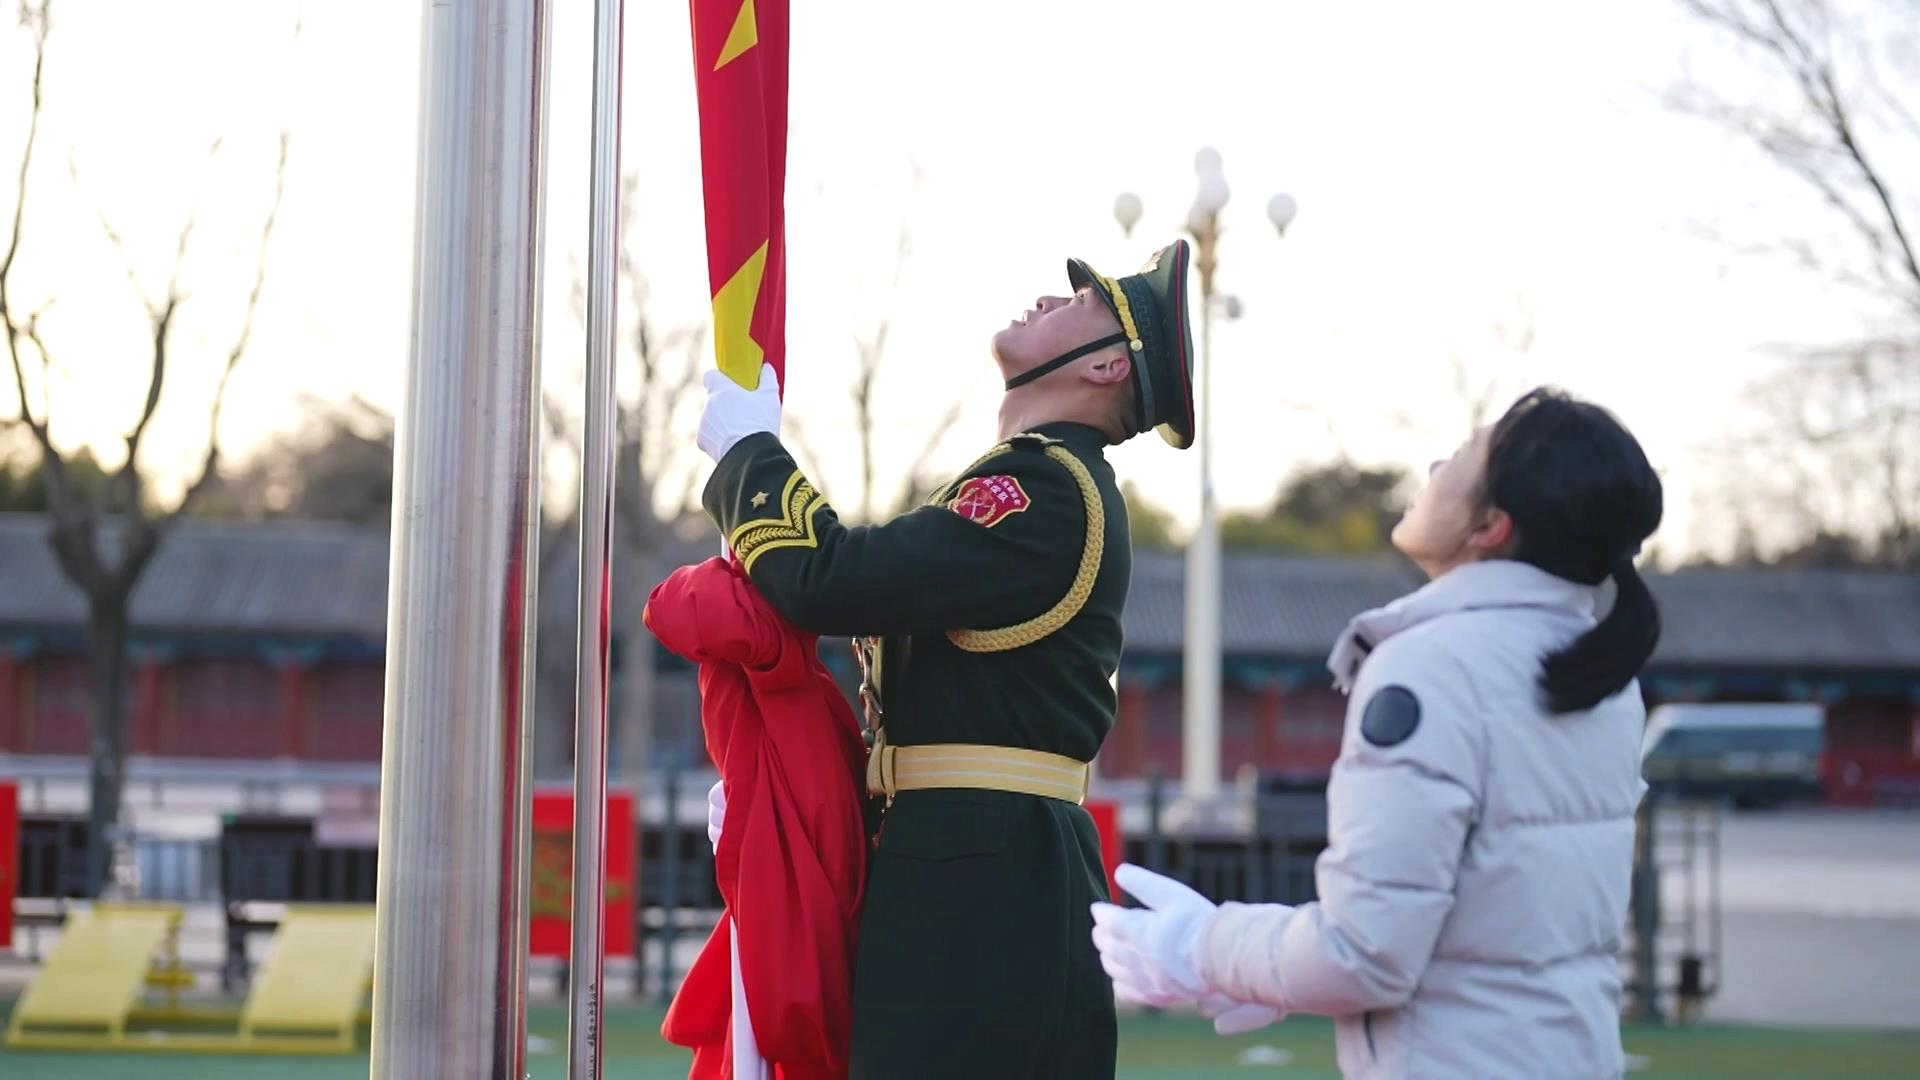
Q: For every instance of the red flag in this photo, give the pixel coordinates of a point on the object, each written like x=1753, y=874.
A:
x=740, y=76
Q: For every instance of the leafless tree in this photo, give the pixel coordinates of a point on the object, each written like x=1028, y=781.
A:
x=1482, y=381
x=1838, y=425
x=871, y=349
x=104, y=543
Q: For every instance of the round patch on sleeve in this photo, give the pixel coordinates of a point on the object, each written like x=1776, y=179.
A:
x=1391, y=717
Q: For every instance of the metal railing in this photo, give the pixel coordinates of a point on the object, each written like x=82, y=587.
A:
x=1673, y=954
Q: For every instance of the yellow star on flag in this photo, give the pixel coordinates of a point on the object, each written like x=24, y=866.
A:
x=744, y=35
x=739, y=355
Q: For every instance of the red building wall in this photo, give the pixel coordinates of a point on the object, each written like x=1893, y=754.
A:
x=1273, y=729
x=51, y=717
x=343, y=712
x=266, y=708
x=219, y=709
x=1873, y=751
x=200, y=708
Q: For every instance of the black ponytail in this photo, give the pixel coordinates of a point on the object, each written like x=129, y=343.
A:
x=1582, y=497
x=1606, y=657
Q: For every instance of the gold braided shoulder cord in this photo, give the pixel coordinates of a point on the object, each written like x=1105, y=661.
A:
x=1026, y=633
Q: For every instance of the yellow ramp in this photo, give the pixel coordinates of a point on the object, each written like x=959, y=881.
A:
x=314, y=984
x=97, y=971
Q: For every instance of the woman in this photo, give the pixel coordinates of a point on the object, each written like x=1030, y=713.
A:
x=1481, y=814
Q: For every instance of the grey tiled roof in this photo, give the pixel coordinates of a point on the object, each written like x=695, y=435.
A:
x=1285, y=604
x=308, y=578
x=1771, y=618
x=289, y=577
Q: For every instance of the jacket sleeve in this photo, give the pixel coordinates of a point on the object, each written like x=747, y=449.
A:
x=937, y=568
x=1398, y=818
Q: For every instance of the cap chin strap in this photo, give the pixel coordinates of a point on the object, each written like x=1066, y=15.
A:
x=1064, y=359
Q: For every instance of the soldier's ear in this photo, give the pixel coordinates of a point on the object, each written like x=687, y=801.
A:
x=1108, y=367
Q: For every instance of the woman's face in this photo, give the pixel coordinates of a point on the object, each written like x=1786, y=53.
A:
x=1449, y=523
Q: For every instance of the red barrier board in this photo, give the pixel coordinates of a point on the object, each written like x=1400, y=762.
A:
x=9, y=858
x=1106, y=818
x=551, y=907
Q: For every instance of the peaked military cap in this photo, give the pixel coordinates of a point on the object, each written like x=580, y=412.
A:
x=1152, y=308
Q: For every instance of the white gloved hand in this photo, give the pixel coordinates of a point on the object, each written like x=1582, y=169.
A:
x=716, y=810
x=1232, y=1017
x=1150, y=952
x=734, y=412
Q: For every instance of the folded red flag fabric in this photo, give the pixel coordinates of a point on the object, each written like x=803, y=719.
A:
x=792, y=857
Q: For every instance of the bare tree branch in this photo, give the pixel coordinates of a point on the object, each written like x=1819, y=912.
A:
x=1328, y=424
x=794, y=436
x=1839, y=144
x=560, y=422
x=53, y=465
x=871, y=351
x=913, y=486
x=40, y=22
x=209, y=465
x=1843, y=127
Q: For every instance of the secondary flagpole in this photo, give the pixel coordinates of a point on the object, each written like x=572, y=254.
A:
x=587, y=964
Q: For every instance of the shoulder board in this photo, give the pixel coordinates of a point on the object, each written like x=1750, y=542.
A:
x=1032, y=440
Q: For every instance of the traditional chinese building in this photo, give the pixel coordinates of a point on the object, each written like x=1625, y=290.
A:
x=265, y=641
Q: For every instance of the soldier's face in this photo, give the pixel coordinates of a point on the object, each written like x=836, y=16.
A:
x=1054, y=325
x=1449, y=522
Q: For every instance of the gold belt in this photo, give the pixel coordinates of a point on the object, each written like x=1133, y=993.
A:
x=893, y=769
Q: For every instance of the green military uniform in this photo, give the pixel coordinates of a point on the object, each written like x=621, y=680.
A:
x=989, y=623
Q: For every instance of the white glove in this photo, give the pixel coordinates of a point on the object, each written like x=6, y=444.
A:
x=734, y=412
x=1149, y=952
x=1231, y=1017
x=716, y=810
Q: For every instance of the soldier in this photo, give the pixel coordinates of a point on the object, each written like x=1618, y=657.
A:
x=988, y=626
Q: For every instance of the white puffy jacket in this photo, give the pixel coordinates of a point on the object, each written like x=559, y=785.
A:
x=1473, y=895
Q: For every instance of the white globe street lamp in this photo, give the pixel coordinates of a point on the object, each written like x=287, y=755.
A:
x=1200, y=681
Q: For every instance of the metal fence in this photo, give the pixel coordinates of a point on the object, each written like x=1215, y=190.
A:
x=182, y=871
x=1672, y=961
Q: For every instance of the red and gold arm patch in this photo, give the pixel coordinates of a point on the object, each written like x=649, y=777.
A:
x=989, y=500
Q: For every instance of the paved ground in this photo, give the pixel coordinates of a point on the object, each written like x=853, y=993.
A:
x=1151, y=1048
x=1822, y=919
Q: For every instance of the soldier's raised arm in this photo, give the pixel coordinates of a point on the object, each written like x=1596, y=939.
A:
x=999, y=547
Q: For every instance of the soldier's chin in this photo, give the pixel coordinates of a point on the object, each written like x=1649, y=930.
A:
x=1002, y=355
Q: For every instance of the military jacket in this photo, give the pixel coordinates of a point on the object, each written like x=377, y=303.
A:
x=991, y=614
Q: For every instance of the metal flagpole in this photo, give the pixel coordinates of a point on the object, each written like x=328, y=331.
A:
x=449, y=995
x=586, y=966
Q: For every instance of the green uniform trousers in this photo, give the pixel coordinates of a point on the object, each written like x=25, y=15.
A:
x=976, y=957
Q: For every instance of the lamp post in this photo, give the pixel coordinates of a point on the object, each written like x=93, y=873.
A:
x=1200, y=681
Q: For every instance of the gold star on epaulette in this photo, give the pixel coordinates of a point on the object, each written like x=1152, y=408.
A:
x=759, y=499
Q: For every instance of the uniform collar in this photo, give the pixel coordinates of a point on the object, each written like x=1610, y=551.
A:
x=1074, y=432
x=1498, y=583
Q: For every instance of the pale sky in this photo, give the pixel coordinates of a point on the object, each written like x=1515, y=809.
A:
x=1456, y=167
